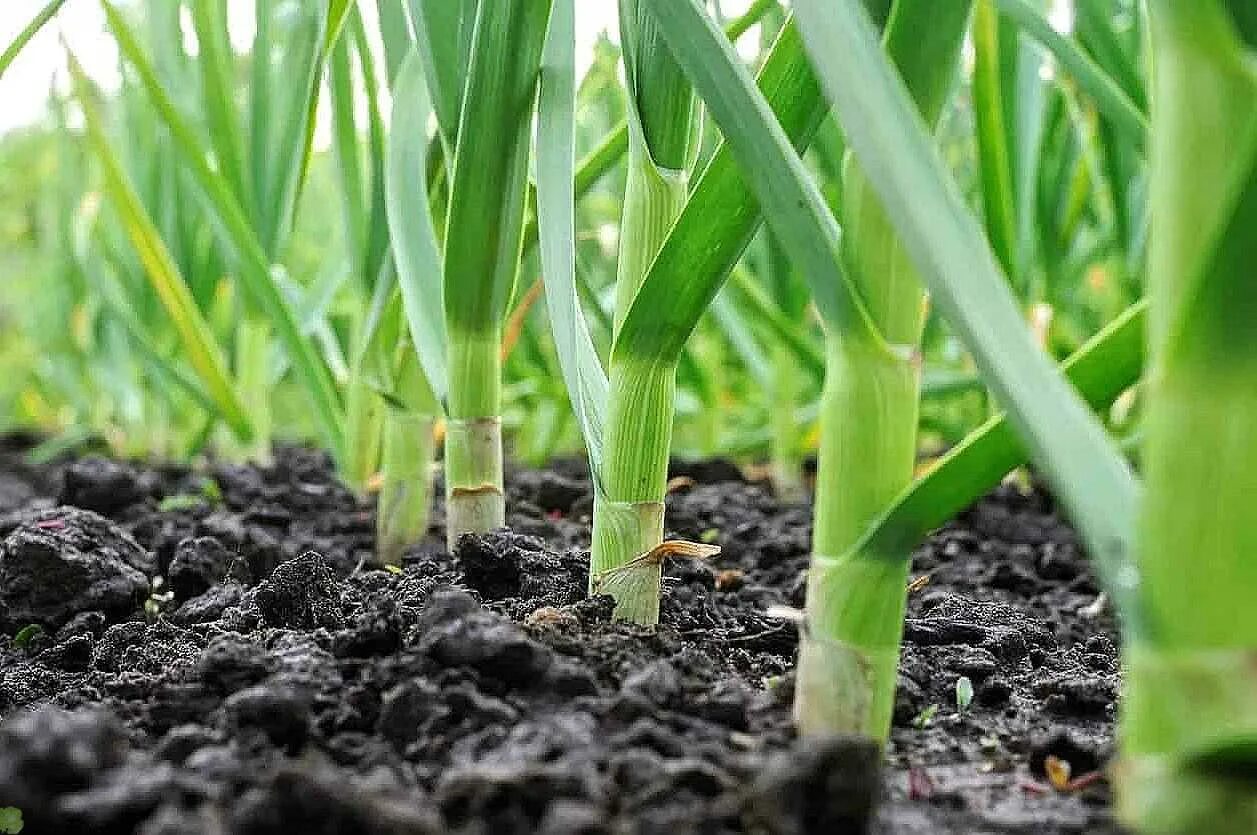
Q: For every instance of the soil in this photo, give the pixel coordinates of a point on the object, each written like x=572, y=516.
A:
x=215, y=654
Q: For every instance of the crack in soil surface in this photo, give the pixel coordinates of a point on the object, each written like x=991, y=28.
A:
x=215, y=655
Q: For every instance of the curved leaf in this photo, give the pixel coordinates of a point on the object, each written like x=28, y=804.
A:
x=31, y=30
x=556, y=211
x=419, y=268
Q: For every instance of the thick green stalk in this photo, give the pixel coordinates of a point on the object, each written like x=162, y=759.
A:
x=628, y=512
x=718, y=222
x=409, y=410
x=1189, y=725
x=653, y=198
x=628, y=508
x=484, y=236
x=836, y=674
x=855, y=604
x=869, y=424
x=474, y=497
x=364, y=409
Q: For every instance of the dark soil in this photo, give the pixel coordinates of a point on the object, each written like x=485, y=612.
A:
x=215, y=655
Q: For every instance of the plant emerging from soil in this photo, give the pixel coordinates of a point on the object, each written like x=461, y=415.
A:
x=801, y=227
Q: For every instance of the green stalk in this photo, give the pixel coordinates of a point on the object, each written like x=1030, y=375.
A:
x=1189, y=724
x=364, y=419
x=405, y=500
x=994, y=150
x=474, y=498
x=868, y=423
x=406, y=486
x=661, y=129
x=785, y=449
x=484, y=236
x=628, y=507
x=47, y=13
x=253, y=352
x=718, y=222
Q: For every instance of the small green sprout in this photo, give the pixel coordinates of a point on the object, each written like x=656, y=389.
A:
x=27, y=634
x=209, y=492
x=180, y=501
x=964, y=693
x=10, y=820
x=710, y=535
x=157, y=602
x=925, y=717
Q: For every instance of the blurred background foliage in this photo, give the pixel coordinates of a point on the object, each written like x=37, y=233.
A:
x=87, y=349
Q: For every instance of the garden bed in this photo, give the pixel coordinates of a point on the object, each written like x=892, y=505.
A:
x=276, y=683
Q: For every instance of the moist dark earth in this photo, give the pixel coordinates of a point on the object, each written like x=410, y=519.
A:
x=210, y=650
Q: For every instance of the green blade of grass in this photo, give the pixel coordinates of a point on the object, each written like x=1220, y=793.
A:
x=118, y=306
x=442, y=33
x=216, y=61
x=195, y=335
x=337, y=13
x=956, y=263
x=1107, y=94
x=1097, y=31
x=348, y=155
x=393, y=29
x=556, y=209
x=419, y=265
x=259, y=105
x=994, y=153
x=19, y=43
x=253, y=264
x=377, y=242
x=294, y=99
